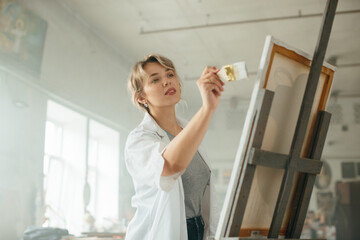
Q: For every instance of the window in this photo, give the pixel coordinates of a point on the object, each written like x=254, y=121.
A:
x=79, y=150
x=103, y=171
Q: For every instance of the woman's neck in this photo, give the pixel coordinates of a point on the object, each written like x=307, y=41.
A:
x=166, y=119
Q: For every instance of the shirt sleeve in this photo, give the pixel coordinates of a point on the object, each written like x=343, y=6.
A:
x=144, y=160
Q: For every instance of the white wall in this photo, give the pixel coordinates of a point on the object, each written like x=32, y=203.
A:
x=79, y=66
x=21, y=154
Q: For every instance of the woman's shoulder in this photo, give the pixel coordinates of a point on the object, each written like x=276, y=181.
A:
x=149, y=128
x=140, y=132
x=146, y=130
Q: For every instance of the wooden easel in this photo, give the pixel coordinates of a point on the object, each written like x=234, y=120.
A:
x=293, y=162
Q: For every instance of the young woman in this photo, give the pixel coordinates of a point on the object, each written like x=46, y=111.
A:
x=174, y=195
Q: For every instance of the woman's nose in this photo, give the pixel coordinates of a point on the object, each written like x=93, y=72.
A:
x=166, y=82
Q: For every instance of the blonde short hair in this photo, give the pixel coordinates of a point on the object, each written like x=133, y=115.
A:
x=138, y=75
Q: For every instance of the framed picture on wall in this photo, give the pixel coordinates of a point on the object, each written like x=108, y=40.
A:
x=22, y=37
x=348, y=169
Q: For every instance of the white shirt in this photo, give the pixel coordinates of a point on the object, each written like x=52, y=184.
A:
x=159, y=200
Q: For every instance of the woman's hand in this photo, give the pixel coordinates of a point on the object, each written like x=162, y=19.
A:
x=210, y=87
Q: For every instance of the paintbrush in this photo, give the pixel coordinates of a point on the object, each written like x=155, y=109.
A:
x=232, y=72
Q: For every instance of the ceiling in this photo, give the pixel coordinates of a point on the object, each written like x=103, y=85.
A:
x=196, y=33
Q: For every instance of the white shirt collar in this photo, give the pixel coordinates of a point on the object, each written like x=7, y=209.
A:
x=149, y=123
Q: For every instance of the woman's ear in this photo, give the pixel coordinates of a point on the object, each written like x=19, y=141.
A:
x=141, y=100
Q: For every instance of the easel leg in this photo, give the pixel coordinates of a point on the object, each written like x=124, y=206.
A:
x=307, y=181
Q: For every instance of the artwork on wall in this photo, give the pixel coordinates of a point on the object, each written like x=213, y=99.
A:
x=348, y=169
x=22, y=37
x=283, y=70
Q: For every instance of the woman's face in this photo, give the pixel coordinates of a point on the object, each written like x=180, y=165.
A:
x=161, y=88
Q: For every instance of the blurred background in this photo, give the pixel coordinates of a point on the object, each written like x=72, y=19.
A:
x=65, y=112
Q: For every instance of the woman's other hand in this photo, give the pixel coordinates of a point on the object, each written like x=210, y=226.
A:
x=210, y=87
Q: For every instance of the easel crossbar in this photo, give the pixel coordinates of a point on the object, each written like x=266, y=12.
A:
x=280, y=161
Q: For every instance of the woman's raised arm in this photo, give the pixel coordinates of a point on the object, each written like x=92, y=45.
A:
x=181, y=150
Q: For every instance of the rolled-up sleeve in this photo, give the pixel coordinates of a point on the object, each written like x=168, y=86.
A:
x=144, y=160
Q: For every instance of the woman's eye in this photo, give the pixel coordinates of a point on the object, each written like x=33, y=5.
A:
x=171, y=75
x=155, y=80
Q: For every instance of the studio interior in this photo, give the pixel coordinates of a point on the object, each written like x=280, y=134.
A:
x=66, y=112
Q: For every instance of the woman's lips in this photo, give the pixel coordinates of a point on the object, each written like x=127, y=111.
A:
x=170, y=91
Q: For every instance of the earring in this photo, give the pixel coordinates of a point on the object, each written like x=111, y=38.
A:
x=145, y=104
